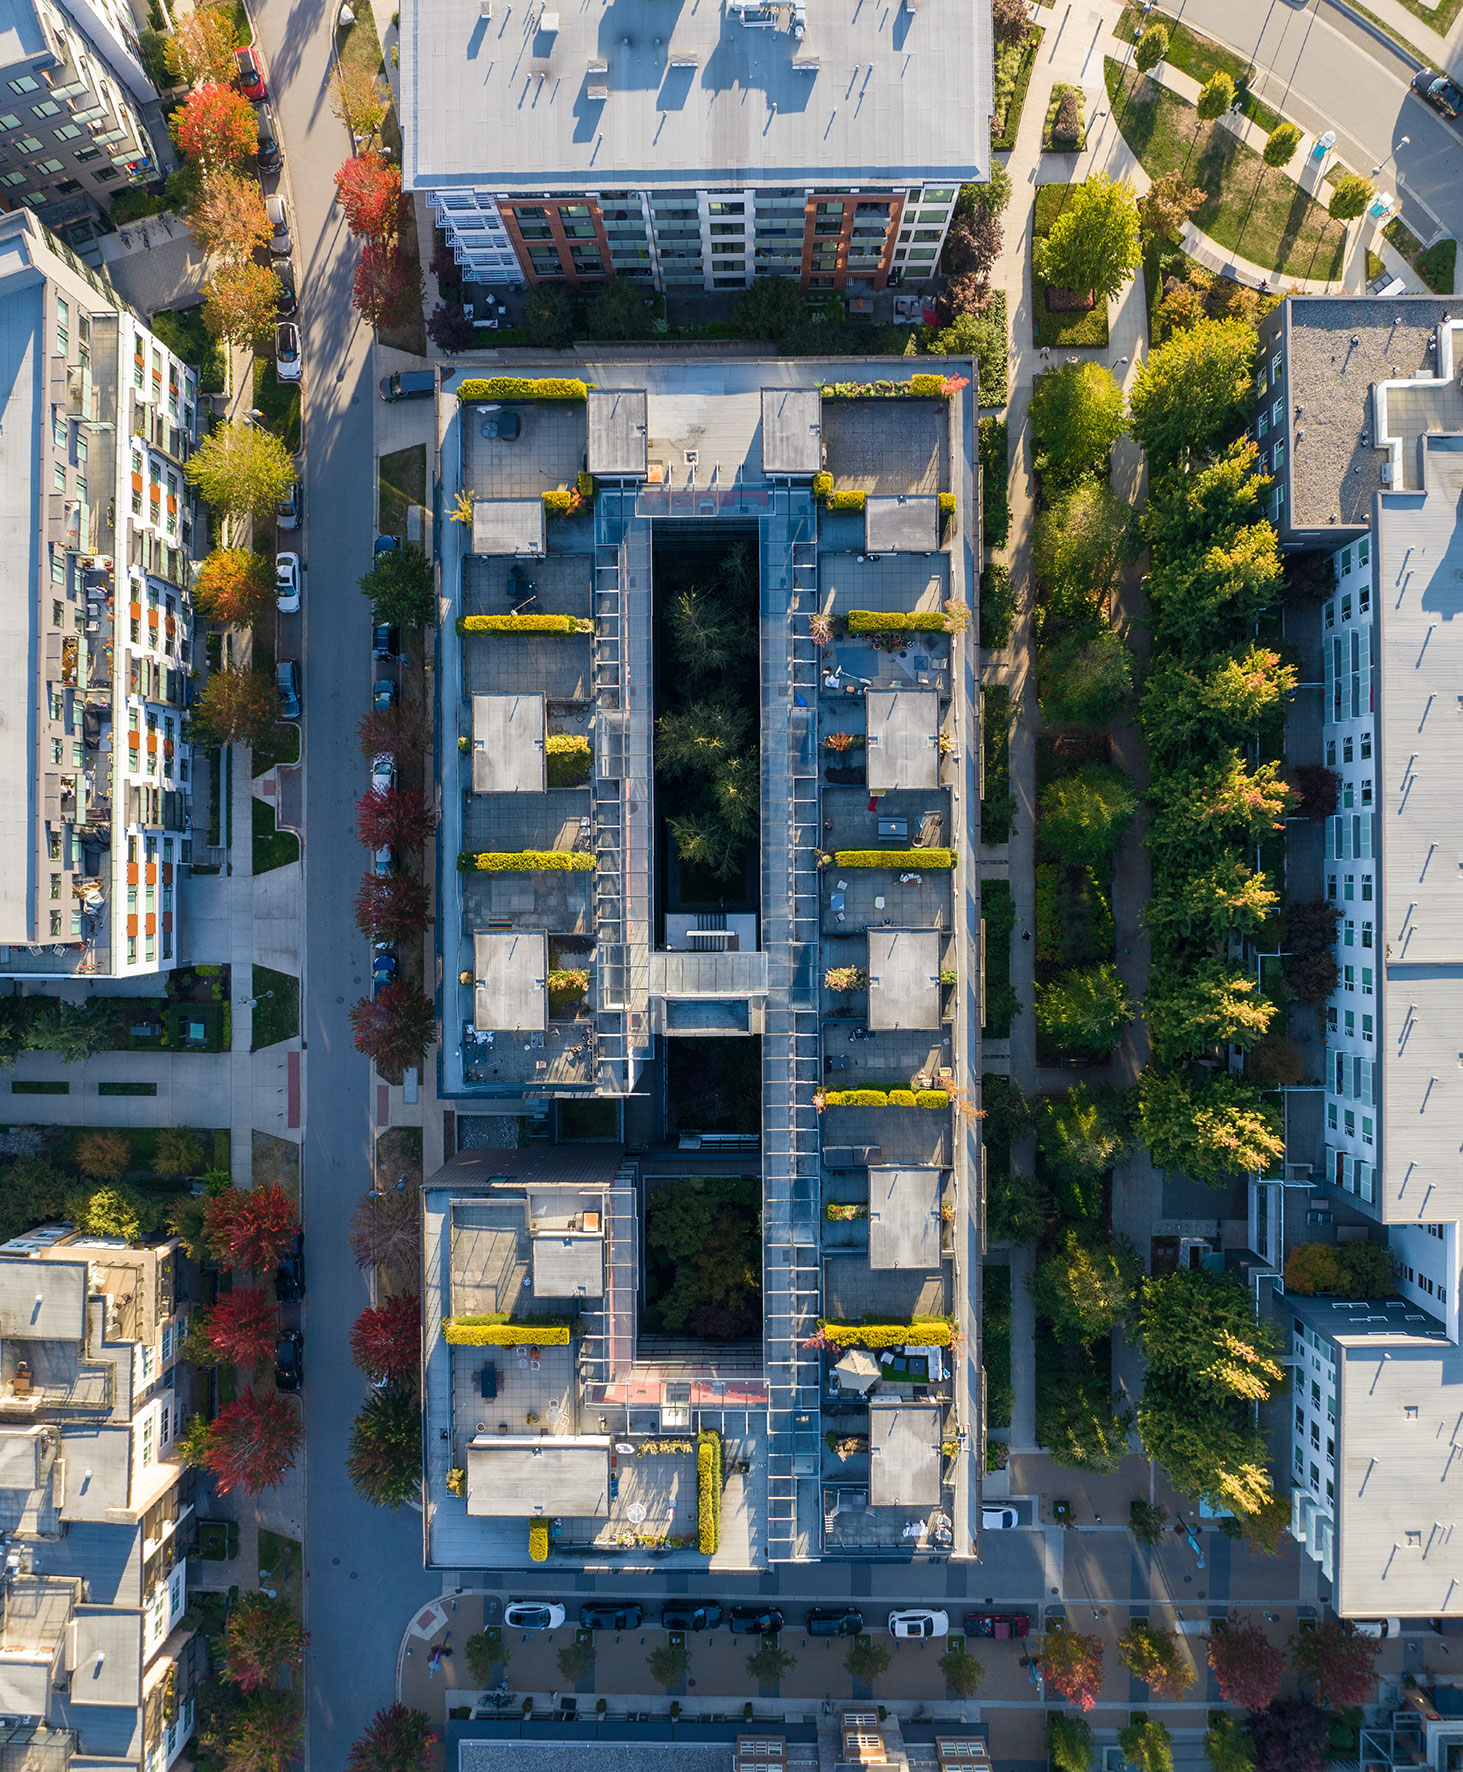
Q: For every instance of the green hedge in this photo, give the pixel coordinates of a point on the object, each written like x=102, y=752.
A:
x=846, y=501
x=997, y=606
x=995, y=471
x=524, y=624
x=525, y=861
x=822, y=484
x=708, y=1491
x=925, y=1098
x=937, y=1333
x=895, y=621
x=521, y=387
x=464, y=1332
x=923, y=386
x=538, y=1541
x=998, y=805
x=894, y=858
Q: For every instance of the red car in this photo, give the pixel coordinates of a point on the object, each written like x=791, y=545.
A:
x=997, y=1624
x=251, y=73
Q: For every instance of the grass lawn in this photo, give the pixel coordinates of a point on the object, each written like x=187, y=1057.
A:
x=401, y=480
x=142, y=1146
x=1061, y=331
x=278, y=1017
x=995, y=1328
x=1049, y=142
x=1438, y=266
x=280, y=1568
x=279, y=401
x=1200, y=58
x=1253, y=211
x=272, y=848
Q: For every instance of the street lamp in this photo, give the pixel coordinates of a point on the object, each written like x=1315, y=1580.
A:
x=1402, y=142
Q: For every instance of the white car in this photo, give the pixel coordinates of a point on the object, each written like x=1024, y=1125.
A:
x=1379, y=1627
x=279, y=225
x=383, y=772
x=532, y=1615
x=919, y=1624
x=287, y=351
x=993, y=1518
x=287, y=583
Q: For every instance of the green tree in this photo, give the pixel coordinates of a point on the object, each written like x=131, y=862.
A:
x=1146, y=1520
x=1083, y=1133
x=1167, y=204
x=1281, y=144
x=1083, y=817
x=1204, y=1446
x=1227, y=1747
x=103, y=1155
x=487, y=1653
x=1085, y=1286
x=1211, y=1131
x=1156, y=1657
x=1017, y=1209
x=549, y=316
x=241, y=304
x=1212, y=600
x=620, y=308
x=1187, y=513
x=401, y=589
x=1152, y=47
x=990, y=197
x=1350, y=196
x=982, y=336
x=1185, y=710
x=1069, y=1744
x=1205, y=906
x=669, y=1665
x=237, y=706
x=1205, y=1327
x=1199, y=810
x=1216, y=97
x=576, y=1661
x=202, y=47
x=1085, y=677
x=1191, y=1012
x=1084, y=1011
x=1078, y=1419
x=1081, y=542
x=700, y=739
x=866, y=1661
x=769, y=1663
x=771, y=308
x=963, y=1673
x=384, y=1454
x=1093, y=243
x=106, y=1212
x=1147, y=1746
x=1193, y=391
x=176, y=1150
x=241, y=470
x=1076, y=417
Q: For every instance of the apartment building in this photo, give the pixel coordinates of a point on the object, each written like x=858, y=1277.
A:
x=98, y=419
x=76, y=109
x=96, y=1657
x=697, y=148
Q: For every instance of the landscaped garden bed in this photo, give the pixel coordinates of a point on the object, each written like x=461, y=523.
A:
x=1061, y=327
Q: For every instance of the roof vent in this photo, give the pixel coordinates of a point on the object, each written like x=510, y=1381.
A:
x=597, y=66
x=683, y=61
x=548, y=23
x=597, y=94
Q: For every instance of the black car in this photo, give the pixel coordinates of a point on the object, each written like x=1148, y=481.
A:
x=606, y=1616
x=690, y=1617
x=269, y=155
x=285, y=271
x=1439, y=91
x=832, y=1621
x=289, y=1353
x=289, y=1273
x=385, y=640
x=754, y=1621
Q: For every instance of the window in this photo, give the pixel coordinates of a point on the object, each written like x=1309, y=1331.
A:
x=1346, y=749
x=149, y=1428
x=106, y=175
x=167, y=1343
x=1330, y=753
x=29, y=144
x=47, y=108
x=1366, y=889
x=65, y=132
x=1262, y=428
x=1366, y=1027
x=24, y=84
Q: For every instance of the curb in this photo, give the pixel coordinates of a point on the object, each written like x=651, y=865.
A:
x=1380, y=32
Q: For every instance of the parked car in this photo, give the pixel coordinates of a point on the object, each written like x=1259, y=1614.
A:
x=532, y=1615
x=409, y=384
x=383, y=695
x=1379, y=1628
x=269, y=154
x=383, y=962
x=385, y=641
x=1439, y=91
x=251, y=73
x=287, y=364
x=999, y=1625
x=834, y=1621
x=287, y=686
x=386, y=544
x=291, y=508
x=919, y=1624
x=289, y=1272
x=285, y=271
x=605, y=1615
x=687, y=1616
x=279, y=225
x=383, y=860
x=754, y=1621
x=383, y=772
x=289, y=1353
x=287, y=583
x=994, y=1517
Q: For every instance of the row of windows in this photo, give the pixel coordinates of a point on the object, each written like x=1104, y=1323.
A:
x=1348, y=888
x=1354, y=1078
x=1349, y=749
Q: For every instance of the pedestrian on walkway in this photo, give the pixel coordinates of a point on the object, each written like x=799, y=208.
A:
x=1074, y=359
x=1046, y=352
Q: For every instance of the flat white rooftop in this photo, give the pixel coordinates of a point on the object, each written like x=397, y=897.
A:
x=508, y=744
x=903, y=738
x=510, y=969
x=904, y=1453
x=523, y=1475
x=904, y=1218
x=904, y=978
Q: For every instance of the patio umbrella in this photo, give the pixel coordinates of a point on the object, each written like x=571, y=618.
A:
x=857, y=1369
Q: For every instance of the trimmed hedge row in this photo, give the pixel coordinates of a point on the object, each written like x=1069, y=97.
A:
x=877, y=1335
x=894, y=858
x=919, y=387
x=895, y=621
x=524, y=624
x=521, y=387
x=708, y=1491
x=525, y=861
x=471, y=1332
x=538, y=1541
x=925, y=1098
x=846, y=501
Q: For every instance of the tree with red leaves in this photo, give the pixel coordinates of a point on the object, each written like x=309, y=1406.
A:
x=1289, y=1735
x=216, y=126
x=392, y=907
x=369, y=188
x=263, y=1636
x=243, y=1327
x=1247, y=1666
x=393, y=818
x=237, y=706
x=1071, y=1665
x=395, y=1740
x=252, y=1443
x=386, y=1339
x=399, y=731
x=395, y=1029
x=249, y=1227
x=387, y=287
x=1337, y=1662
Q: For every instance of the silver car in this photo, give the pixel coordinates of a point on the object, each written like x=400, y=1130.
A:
x=279, y=225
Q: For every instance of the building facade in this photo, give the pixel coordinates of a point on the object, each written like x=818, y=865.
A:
x=99, y=418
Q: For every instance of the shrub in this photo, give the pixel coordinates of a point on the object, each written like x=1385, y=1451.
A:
x=586, y=486
x=521, y=387
x=846, y=501
x=559, y=504
x=525, y=861
x=708, y=1491
x=925, y=1098
x=895, y=621
x=524, y=624
x=995, y=493
x=894, y=858
x=468, y=1332
x=997, y=606
x=568, y=756
x=845, y=978
x=538, y=1541
x=822, y=484
x=934, y=1333
x=901, y=1098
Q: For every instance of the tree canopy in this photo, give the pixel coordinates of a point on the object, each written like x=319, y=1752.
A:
x=1076, y=417
x=1084, y=816
x=1211, y=1131
x=1194, y=390
x=1093, y=244
x=1191, y=1012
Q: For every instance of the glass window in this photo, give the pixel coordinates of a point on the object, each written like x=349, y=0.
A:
x=25, y=84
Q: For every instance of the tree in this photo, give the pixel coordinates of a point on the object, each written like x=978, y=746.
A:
x=1083, y=817
x=384, y=1456
x=669, y=1664
x=1147, y=1746
x=359, y=96
x=619, y=308
x=241, y=304
x=699, y=739
x=1146, y=1521
x=1203, y=907
x=401, y=588
x=1227, y=1746
x=264, y=1733
x=1279, y=151
x=1010, y=20
x=1069, y=1744
x=252, y=1443
x=202, y=47
x=395, y=1029
x=241, y=469
x=487, y=1657
x=1318, y=788
x=392, y=907
x=1085, y=1286
x=106, y=1212
x=250, y=1227
x=105, y=1156
x=1216, y=97
x=216, y=126
x=237, y=706
x=549, y=316
x=1152, y=47
x=393, y=818
x=368, y=186
x=226, y=217
x=1076, y=417
x=1078, y=1419
x=386, y=1339
x=233, y=587
x=1093, y=243
x=963, y=1673
x=1157, y=1658
x=1247, y=1666
x=1288, y=1736
x=576, y=1661
x=770, y=1662
x=1184, y=710
x=1197, y=812
x=1083, y=1133
x=1212, y=599
x=866, y=1662
x=1212, y=1131
x=1193, y=391
x=1350, y=196
x=1071, y=1665
x=1188, y=512
x=1352, y=1270
x=1169, y=201
x=450, y=329
x=387, y=1233
x=263, y=1635
x=1336, y=1662
x=387, y=288
x=1081, y=542
x=974, y=241
x=399, y=731
x=243, y=1327
x=395, y=1740
x=995, y=193
x=1085, y=677
x=771, y=308
x=1017, y=1209
x=1084, y=1010
x=1190, y=1013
